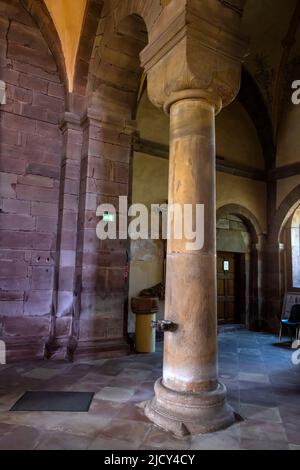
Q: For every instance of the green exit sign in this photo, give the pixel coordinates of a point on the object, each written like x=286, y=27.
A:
x=108, y=217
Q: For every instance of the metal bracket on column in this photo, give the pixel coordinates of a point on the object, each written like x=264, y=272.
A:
x=165, y=326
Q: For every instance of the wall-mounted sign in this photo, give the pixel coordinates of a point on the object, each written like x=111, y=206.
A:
x=226, y=265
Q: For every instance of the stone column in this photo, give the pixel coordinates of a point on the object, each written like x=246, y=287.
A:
x=67, y=235
x=192, y=75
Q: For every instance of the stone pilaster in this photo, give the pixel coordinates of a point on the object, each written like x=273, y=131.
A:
x=101, y=285
x=67, y=233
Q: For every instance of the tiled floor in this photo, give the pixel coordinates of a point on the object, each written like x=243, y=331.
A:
x=263, y=387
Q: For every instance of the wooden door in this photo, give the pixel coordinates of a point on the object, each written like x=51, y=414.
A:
x=227, y=270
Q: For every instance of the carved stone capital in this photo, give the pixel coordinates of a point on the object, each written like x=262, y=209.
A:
x=195, y=45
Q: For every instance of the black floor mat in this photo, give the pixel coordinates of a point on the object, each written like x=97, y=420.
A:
x=54, y=401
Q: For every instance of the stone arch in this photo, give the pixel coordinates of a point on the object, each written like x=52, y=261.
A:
x=275, y=253
x=98, y=26
x=284, y=212
x=251, y=98
x=111, y=90
x=247, y=217
x=253, y=264
x=86, y=44
x=39, y=12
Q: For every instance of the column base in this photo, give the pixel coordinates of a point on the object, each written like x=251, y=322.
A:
x=189, y=413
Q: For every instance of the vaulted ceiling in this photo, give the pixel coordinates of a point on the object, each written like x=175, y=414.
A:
x=274, y=52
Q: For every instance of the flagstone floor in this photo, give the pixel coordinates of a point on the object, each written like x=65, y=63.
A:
x=263, y=388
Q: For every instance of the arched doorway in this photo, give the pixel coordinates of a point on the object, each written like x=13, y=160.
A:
x=239, y=241
x=101, y=304
x=278, y=267
x=290, y=253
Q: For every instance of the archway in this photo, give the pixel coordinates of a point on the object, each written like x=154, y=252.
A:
x=101, y=307
x=277, y=282
x=239, y=245
x=291, y=242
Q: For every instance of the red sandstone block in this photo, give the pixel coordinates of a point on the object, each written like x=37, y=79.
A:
x=109, y=188
x=16, y=11
x=56, y=90
x=41, y=143
x=4, y=25
x=14, y=284
x=121, y=172
x=10, y=137
x=8, y=185
x=71, y=187
x=66, y=279
x=19, y=94
x=26, y=327
x=10, y=255
x=12, y=166
x=48, y=130
x=68, y=239
x=36, y=71
x=41, y=169
x=98, y=168
x=11, y=308
x=91, y=220
x=53, y=117
x=62, y=327
x=67, y=258
x=16, y=222
x=70, y=202
x=26, y=35
x=42, y=278
x=31, y=193
x=94, y=278
x=33, y=83
x=105, y=259
x=38, y=303
x=44, y=209
x=47, y=224
x=112, y=245
x=8, y=152
x=20, y=123
x=42, y=258
x=26, y=240
x=73, y=136
x=115, y=153
x=69, y=220
x=9, y=76
x=36, y=180
x=109, y=307
x=99, y=327
x=73, y=151
x=72, y=171
x=34, y=112
x=13, y=269
x=115, y=280
x=52, y=104
x=14, y=206
x=11, y=296
x=90, y=202
x=12, y=106
x=34, y=57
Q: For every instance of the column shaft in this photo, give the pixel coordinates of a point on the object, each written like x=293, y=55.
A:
x=190, y=353
x=189, y=399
